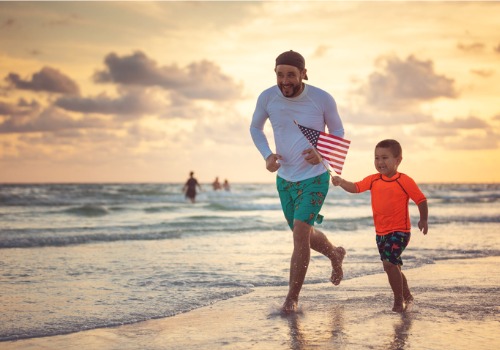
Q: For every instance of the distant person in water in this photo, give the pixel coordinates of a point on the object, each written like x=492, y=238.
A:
x=216, y=184
x=390, y=193
x=190, y=187
x=226, y=185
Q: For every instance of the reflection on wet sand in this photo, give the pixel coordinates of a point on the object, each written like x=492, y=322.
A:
x=401, y=332
x=306, y=333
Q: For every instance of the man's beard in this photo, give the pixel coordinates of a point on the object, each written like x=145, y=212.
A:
x=290, y=92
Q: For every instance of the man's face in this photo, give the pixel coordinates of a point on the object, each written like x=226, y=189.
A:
x=289, y=79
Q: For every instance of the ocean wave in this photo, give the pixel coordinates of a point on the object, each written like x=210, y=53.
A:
x=67, y=325
x=240, y=206
x=462, y=193
x=348, y=224
x=462, y=219
x=452, y=254
x=486, y=198
x=60, y=241
x=161, y=209
x=88, y=210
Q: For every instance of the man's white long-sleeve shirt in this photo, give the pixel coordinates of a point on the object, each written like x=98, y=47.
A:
x=313, y=108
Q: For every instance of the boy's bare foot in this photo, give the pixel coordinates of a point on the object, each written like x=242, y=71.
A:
x=408, y=304
x=337, y=273
x=289, y=306
x=398, y=306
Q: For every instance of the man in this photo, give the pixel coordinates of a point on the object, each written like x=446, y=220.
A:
x=302, y=179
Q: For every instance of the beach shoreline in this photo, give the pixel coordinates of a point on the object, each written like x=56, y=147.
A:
x=457, y=304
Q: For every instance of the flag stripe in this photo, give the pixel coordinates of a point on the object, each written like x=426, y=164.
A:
x=332, y=148
x=332, y=152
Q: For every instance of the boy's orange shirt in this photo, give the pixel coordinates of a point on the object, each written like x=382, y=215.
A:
x=390, y=197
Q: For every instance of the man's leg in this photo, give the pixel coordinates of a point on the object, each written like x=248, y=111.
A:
x=298, y=263
x=321, y=244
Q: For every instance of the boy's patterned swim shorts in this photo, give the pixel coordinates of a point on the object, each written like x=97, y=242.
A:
x=392, y=245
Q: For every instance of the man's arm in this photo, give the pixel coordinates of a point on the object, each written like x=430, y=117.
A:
x=332, y=118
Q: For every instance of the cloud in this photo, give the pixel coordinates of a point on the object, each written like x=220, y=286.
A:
x=373, y=116
x=469, y=133
x=474, y=47
x=483, y=73
x=48, y=79
x=483, y=140
x=64, y=20
x=401, y=82
x=48, y=120
x=321, y=51
x=19, y=109
x=8, y=23
x=199, y=80
x=463, y=123
x=131, y=103
x=7, y=108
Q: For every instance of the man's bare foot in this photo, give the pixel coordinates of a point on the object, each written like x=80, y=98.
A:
x=289, y=306
x=337, y=273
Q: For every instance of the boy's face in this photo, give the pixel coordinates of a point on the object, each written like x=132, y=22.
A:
x=385, y=162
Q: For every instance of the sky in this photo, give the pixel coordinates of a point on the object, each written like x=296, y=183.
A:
x=149, y=91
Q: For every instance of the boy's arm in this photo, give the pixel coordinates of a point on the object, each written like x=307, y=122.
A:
x=424, y=213
x=346, y=185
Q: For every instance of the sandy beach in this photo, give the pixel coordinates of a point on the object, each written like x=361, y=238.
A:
x=457, y=307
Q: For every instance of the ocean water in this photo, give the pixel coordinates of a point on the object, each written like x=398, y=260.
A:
x=84, y=256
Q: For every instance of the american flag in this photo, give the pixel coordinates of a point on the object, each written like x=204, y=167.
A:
x=332, y=148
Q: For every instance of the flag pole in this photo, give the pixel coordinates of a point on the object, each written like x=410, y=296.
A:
x=315, y=151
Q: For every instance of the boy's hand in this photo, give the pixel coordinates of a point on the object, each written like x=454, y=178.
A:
x=336, y=180
x=422, y=225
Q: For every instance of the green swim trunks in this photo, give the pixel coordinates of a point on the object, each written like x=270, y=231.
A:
x=302, y=200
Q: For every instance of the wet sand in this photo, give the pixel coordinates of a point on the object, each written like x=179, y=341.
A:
x=457, y=306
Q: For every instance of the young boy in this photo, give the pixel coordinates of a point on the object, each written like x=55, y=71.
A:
x=390, y=194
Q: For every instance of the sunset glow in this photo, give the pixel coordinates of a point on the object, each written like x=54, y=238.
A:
x=148, y=91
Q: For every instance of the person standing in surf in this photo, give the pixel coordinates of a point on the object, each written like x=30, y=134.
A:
x=302, y=178
x=390, y=192
x=190, y=187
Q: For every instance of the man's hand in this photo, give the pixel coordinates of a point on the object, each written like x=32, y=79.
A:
x=272, y=163
x=312, y=156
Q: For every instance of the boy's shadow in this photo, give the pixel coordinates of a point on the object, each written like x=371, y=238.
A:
x=401, y=332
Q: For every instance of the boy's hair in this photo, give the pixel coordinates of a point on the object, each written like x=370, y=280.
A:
x=393, y=145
